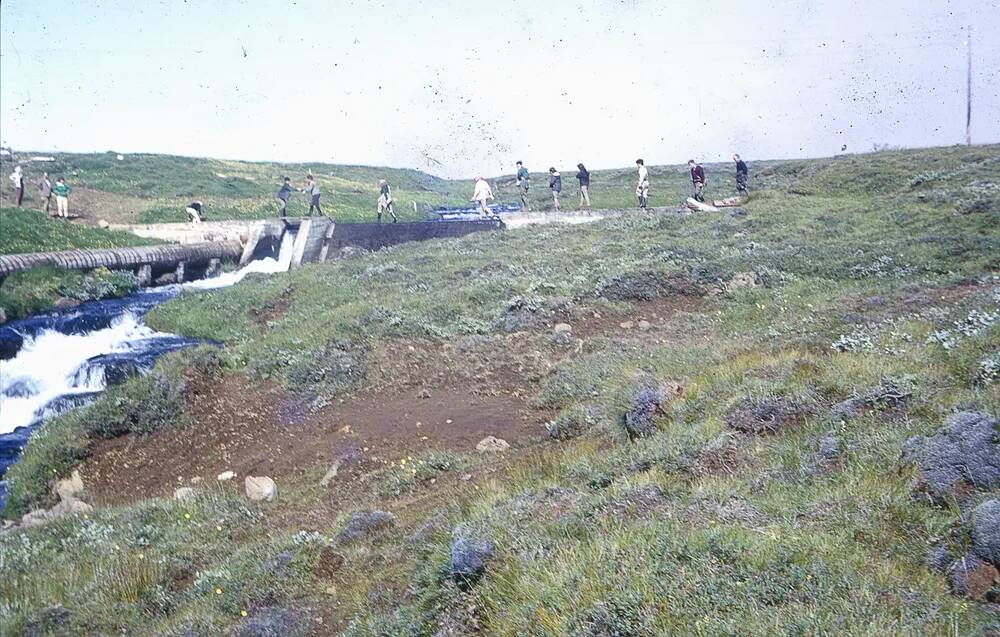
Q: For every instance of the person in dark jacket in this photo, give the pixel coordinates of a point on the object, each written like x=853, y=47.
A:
x=697, y=180
x=555, y=184
x=194, y=212
x=45, y=192
x=584, y=178
x=283, y=195
x=742, y=173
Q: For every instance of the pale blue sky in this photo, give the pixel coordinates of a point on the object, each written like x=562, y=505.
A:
x=465, y=87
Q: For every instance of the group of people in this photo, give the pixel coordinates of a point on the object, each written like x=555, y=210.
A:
x=483, y=193
x=698, y=180
x=46, y=190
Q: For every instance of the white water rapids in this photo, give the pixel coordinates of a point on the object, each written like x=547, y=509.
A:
x=51, y=364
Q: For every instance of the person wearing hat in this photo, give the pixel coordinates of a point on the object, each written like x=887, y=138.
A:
x=194, y=211
x=385, y=201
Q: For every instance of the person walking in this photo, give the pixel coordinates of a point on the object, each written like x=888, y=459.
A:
x=194, y=211
x=742, y=174
x=283, y=195
x=555, y=184
x=385, y=201
x=522, y=185
x=312, y=188
x=62, y=197
x=17, y=178
x=482, y=194
x=45, y=192
x=583, y=176
x=642, y=187
x=697, y=180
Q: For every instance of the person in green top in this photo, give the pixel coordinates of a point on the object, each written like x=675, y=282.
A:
x=522, y=185
x=62, y=197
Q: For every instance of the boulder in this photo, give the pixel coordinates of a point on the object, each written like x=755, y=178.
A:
x=973, y=577
x=225, y=476
x=470, y=552
x=71, y=487
x=184, y=493
x=986, y=531
x=490, y=444
x=643, y=326
x=562, y=328
x=963, y=456
x=260, y=488
x=101, y=223
x=366, y=524
x=69, y=506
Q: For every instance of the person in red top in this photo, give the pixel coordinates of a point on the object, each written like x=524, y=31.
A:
x=697, y=180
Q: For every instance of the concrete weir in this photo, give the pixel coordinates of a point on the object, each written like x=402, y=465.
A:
x=201, y=248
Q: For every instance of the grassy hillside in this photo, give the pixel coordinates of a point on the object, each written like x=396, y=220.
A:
x=156, y=188
x=723, y=456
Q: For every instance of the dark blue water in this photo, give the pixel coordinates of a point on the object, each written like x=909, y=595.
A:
x=103, y=370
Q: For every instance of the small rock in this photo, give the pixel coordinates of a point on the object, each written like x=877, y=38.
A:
x=260, y=488
x=196, y=480
x=470, y=552
x=184, y=493
x=225, y=476
x=424, y=393
x=562, y=328
x=70, y=487
x=101, y=223
x=986, y=530
x=643, y=325
x=366, y=524
x=742, y=280
x=490, y=444
x=331, y=473
x=828, y=453
x=626, y=325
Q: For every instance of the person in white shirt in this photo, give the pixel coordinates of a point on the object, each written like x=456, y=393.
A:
x=17, y=177
x=642, y=188
x=482, y=194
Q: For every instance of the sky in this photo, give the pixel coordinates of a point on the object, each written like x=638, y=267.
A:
x=459, y=88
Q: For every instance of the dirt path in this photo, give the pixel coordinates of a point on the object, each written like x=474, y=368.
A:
x=421, y=396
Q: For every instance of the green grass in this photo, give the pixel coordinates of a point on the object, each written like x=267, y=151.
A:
x=870, y=269
x=33, y=231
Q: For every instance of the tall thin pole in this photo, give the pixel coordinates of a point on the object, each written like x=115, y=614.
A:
x=968, y=89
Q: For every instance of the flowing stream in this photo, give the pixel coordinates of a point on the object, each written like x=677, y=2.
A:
x=53, y=362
